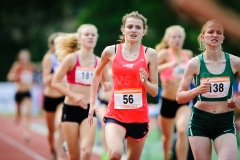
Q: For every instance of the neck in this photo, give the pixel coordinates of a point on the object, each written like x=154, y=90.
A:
x=85, y=53
x=131, y=48
x=176, y=51
x=213, y=54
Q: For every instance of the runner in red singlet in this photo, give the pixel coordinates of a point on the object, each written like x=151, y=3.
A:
x=172, y=60
x=134, y=71
x=22, y=73
x=78, y=63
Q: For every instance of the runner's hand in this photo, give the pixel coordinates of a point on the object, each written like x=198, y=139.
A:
x=204, y=87
x=78, y=99
x=233, y=102
x=143, y=74
x=93, y=108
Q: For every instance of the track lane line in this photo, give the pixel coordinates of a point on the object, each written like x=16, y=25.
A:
x=21, y=147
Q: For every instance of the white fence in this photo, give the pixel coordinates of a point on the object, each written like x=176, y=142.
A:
x=7, y=94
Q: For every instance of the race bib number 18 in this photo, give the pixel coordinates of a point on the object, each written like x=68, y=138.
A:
x=219, y=87
x=128, y=99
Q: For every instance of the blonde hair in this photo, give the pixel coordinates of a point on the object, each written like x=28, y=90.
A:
x=68, y=43
x=202, y=45
x=164, y=42
x=136, y=15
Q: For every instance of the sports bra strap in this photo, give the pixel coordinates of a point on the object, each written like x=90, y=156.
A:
x=146, y=49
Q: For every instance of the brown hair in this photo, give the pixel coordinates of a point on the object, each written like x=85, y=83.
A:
x=133, y=14
x=202, y=45
x=68, y=43
x=51, y=39
x=163, y=43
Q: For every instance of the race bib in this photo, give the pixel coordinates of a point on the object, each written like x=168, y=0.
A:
x=84, y=75
x=219, y=87
x=26, y=77
x=178, y=71
x=128, y=98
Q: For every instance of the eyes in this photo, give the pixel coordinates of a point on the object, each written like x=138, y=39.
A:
x=213, y=31
x=177, y=37
x=134, y=26
x=90, y=34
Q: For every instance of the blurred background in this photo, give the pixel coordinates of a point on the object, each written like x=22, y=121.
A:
x=27, y=24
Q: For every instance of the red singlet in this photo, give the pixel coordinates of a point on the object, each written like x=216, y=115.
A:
x=128, y=102
x=81, y=75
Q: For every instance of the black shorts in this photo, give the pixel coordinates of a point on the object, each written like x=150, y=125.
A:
x=103, y=101
x=169, y=108
x=76, y=114
x=19, y=96
x=50, y=104
x=136, y=131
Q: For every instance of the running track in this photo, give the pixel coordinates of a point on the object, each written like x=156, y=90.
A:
x=13, y=147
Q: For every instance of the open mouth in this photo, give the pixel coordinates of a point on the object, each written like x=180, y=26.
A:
x=133, y=36
x=214, y=40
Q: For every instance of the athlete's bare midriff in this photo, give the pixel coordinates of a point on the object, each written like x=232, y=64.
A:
x=170, y=88
x=78, y=89
x=50, y=92
x=23, y=87
x=213, y=107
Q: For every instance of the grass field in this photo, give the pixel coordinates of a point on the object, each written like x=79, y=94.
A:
x=153, y=147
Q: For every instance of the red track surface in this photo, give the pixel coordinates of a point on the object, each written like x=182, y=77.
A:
x=13, y=147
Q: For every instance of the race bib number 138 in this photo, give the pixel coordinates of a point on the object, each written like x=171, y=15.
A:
x=219, y=87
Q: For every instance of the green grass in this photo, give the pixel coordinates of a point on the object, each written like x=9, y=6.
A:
x=153, y=147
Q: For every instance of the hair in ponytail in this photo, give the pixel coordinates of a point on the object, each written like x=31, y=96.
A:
x=66, y=44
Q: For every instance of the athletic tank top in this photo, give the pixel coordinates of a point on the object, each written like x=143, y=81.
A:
x=25, y=74
x=55, y=63
x=81, y=75
x=174, y=72
x=128, y=102
x=221, y=84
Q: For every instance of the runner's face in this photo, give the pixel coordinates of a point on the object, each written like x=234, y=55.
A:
x=213, y=35
x=176, y=39
x=24, y=57
x=133, y=30
x=53, y=48
x=88, y=37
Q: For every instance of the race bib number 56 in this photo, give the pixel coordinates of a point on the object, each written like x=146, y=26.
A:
x=128, y=98
x=219, y=87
